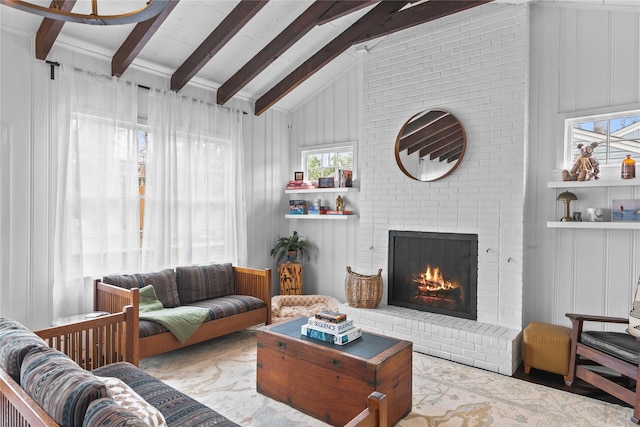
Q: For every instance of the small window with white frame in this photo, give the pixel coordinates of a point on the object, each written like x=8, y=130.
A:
x=617, y=135
x=325, y=160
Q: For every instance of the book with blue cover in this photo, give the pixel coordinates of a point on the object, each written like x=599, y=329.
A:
x=339, y=339
x=330, y=327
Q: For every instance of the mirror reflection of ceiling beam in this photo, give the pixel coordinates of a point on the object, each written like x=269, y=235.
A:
x=437, y=141
x=440, y=125
x=451, y=155
x=451, y=146
x=435, y=133
x=423, y=120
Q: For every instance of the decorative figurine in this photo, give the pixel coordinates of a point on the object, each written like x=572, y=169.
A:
x=585, y=167
x=339, y=204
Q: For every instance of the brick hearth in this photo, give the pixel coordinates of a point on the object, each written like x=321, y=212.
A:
x=477, y=344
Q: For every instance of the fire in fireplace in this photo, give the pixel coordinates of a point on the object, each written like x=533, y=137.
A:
x=435, y=272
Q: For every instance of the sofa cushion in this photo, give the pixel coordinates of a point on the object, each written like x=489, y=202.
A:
x=201, y=282
x=178, y=409
x=164, y=283
x=229, y=305
x=105, y=412
x=124, y=396
x=15, y=342
x=218, y=308
x=59, y=385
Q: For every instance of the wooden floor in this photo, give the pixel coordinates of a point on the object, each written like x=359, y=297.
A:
x=557, y=381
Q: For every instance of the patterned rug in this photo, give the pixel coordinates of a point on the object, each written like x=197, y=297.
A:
x=221, y=373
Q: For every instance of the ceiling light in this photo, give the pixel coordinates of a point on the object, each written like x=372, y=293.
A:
x=150, y=10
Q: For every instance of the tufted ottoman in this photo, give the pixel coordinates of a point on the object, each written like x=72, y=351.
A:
x=285, y=307
x=547, y=347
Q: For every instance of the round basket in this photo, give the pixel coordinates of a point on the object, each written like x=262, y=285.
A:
x=363, y=291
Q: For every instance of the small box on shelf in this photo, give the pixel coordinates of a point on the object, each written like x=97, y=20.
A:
x=297, y=207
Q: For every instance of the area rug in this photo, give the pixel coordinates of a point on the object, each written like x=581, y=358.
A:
x=221, y=374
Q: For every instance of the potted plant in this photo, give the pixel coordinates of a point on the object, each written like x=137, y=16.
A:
x=286, y=252
x=288, y=248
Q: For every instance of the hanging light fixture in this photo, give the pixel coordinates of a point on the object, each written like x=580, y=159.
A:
x=150, y=10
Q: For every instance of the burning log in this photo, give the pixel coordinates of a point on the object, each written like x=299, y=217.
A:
x=431, y=283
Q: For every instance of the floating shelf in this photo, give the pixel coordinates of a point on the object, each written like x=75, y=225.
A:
x=323, y=190
x=595, y=225
x=307, y=216
x=593, y=183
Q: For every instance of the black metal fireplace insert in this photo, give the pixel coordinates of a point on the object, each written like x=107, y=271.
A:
x=434, y=272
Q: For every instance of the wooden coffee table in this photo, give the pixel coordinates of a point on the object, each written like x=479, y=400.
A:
x=331, y=382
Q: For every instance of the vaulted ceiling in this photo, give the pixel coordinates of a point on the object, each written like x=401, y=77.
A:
x=264, y=51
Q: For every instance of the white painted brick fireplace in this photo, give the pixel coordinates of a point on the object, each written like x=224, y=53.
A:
x=475, y=65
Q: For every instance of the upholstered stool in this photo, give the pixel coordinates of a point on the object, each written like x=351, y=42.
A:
x=285, y=307
x=547, y=347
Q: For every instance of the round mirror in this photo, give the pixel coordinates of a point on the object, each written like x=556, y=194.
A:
x=430, y=145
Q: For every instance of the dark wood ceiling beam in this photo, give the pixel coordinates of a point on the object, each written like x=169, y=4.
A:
x=343, y=8
x=380, y=13
x=452, y=146
x=448, y=153
x=428, y=149
x=419, y=14
x=137, y=39
x=431, y=131
x=50, y=29
x=294, y=32
x=423, y=120
x=229, y=27
x=437, y=137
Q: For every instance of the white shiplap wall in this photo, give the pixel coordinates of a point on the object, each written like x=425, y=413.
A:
x=583, y=61
x=333, y=116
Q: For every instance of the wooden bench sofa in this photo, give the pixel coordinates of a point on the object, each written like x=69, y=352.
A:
x=191, y=285
x=105, y=346
x=108, y=336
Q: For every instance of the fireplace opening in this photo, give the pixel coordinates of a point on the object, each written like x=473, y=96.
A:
x=434, y=272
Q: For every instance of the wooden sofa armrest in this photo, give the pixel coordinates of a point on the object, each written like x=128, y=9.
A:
x=256, y=283
x=112, y=298
x=97, y=342
x=577, y=324
x=591, y=318
x=375, y=415
x=17, y=408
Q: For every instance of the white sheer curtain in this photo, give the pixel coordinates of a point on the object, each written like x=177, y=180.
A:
x=194, y=197
x=97, y=209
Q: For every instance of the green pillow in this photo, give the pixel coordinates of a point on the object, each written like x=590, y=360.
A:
x=148, y=300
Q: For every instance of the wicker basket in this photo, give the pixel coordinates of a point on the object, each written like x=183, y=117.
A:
x=363, y=291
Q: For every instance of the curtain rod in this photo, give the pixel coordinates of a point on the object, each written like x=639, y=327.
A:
x=57, y=64
x=221, y=106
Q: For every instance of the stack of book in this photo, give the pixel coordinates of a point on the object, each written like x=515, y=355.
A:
x=297, y=207
x=331, y=326
x=300, y=185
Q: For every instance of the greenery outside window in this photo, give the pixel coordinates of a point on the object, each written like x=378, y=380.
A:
x=617, y=135
x=324, y=161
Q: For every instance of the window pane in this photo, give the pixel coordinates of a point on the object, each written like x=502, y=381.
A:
x=325, y=163
x=617, y=136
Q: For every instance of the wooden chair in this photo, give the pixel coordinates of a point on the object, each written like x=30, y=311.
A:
x=617, y=351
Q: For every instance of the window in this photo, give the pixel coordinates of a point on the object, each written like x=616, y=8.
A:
x=617, y=135
x=325, y=162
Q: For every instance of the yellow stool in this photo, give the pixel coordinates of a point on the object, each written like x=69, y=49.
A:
x=547, y=347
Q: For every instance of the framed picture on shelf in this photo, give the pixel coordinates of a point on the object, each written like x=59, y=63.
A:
x=626, y=210
x=298, y=176
x=326, y=182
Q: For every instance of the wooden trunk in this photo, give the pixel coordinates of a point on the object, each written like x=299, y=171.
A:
x=328, y=383
x=290, y=278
